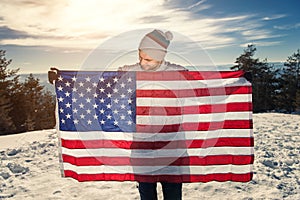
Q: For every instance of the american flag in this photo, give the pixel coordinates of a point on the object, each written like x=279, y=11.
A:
x=170, y=126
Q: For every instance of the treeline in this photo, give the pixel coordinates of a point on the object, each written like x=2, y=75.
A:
x=24, y=106
x=274, y=89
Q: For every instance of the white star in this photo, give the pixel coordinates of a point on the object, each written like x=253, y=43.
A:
x=95, y=95
x=88, y=111
x=60, y=99
x=68, y=116
x=122, y=117
x=115, y=79
x=88, y=100
x=67, y=94
x=108, y=84
x=123, y=106
x=101, y=90
x=74, y=100
x=60, y=78
x=67, y=84
x=60, y=88
x=115, y=90
x=61, y=110
x=102, y=100
x=129, y=90
x=88, y=89
x=82, y=116
x=123, y=96
x=129, y=122
x=115, y=111
x=102, y=121
x=95, y=116
x=81, y=84
x=89, y=122
x=63, y=121
x=81, y=94
x=102, y=111
x=129, y=79
x=88, y=79
x=116, y=101
x=81, y=105
x=129, y=112
x=74, y=89
x=109, y=95
x=75, y=110
x=122, y=85
x=101, y=79
x=95, y=106
x=108, y=106
x=129, y=101
x=95, y=84
x=68, y=105
x=74, y=79
x=108, y=116
x=76, y=121
x=116, y=123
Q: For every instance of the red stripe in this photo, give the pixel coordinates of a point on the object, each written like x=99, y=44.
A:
x=182, y=144
x=182, y=161
x=187, y=75
x=202, y=126
x=160, y=178
x=199, y=92
x=202, y=109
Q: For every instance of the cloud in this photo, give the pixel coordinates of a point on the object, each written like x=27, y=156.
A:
x=259, y=34
x=8, y=33
x=273, y=17
x=153, y=19
x=288, y=27
x=81, y=24
x=262, y=43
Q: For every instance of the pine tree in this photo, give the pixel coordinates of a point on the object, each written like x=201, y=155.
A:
x=39, y=105
x=263, y=79
x=32, y=91
x=246, y=61
x=6, y=76
x=290, y=82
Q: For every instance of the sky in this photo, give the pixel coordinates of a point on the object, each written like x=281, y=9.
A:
x=39, y=34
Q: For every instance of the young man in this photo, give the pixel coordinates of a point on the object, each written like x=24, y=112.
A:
x=152, y=51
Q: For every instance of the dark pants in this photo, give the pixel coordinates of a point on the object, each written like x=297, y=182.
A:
x=171, y=191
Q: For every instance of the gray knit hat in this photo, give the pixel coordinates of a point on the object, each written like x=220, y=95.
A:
x=155, y=44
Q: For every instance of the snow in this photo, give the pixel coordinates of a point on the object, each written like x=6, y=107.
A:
x=29, y=168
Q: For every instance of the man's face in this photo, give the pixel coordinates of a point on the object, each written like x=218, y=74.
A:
x=148, y=63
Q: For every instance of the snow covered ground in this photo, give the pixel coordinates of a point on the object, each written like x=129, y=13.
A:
x=29, y=168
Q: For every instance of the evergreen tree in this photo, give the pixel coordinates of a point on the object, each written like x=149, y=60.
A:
x=6, y=76
x=47, y=112
x=263, y=79
x=39, y=105
x=32, y=91
x=246, y=61
x=297, y=101
x=291, y=83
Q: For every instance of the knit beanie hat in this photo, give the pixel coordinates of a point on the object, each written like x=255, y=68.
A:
x=155, y=44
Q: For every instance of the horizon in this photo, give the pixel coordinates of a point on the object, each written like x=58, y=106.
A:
x=66, y=34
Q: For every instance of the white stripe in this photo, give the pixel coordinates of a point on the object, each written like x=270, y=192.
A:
x=191, y=84
x=173, y=136
x=160, y=170
x=193, y=101
x=176, y=153
x=193, y=118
